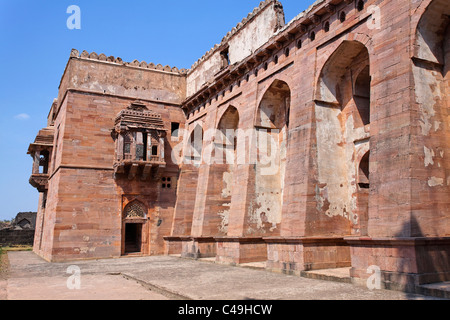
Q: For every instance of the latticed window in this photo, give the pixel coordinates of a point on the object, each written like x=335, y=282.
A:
x=134, y=210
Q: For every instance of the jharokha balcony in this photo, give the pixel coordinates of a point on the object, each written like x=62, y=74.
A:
x=139, y=136
x=41, y=151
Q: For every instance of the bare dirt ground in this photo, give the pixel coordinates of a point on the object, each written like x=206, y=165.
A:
x=4, y=266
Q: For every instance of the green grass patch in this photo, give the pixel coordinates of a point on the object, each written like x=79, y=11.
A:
x=17, y=248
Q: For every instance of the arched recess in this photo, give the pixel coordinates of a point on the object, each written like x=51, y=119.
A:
x=271, y=129
x=194, y=146
x=363, y=179
x=335, y=86
x=431, y=65
x=342, y=111
x=134, y=228
x=226, y=137
x=220, y=168
x=361, y=95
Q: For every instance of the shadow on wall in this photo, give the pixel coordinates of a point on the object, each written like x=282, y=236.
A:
x=426, y=260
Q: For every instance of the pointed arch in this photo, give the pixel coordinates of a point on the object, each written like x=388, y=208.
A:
x=274, y=108
x=194, y=146
x=135, y=209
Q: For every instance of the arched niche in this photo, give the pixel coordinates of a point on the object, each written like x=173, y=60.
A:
x=271, y=129
x=432, y=34
x=342, y=112
x=430, y=70
x=361, y=94
x=194, y=146
x=274, y=107
x=329, y=87
x=226, y=136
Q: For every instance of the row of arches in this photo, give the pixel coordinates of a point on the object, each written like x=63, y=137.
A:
x=344, y=87
x=343, y=116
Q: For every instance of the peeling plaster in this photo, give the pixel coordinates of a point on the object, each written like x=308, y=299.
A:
x=429, y=154
x=434, y=182
x=224, y=218
x=426, y=95
x=228, y=183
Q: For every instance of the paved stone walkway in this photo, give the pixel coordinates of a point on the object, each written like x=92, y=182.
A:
x=163, y=277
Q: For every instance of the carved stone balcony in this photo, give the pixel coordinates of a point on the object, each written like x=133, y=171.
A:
x=41, y=151
x=140, y=136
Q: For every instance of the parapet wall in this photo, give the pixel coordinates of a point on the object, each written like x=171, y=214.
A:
x=111, y=76
x=242, y=41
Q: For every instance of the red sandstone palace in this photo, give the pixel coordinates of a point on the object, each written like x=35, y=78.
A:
x=320, y=143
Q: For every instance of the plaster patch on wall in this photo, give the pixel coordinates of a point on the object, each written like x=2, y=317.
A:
x=224, y=218
x=333, y=190
x=425, y=95
x=227, y=183
x=434, y=182
x=429, y=154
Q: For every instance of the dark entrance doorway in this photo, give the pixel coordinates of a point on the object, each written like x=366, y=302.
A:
x=133, y=237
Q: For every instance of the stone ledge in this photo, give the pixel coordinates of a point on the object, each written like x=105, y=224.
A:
x=405, y=241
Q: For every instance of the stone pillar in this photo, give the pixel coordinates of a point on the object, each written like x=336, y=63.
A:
x=36, y=161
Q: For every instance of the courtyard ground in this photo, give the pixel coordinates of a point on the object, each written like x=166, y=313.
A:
x=165, y=277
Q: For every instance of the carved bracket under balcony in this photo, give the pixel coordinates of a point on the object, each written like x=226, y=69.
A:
x=139, y=135
x=39, y=181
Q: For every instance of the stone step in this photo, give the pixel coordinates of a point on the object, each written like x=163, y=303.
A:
x=337, y=274
x=439, y=290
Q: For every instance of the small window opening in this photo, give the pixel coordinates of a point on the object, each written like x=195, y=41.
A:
x=286, y=52
x=154, y=150
x=175, y=127
x=276, y=59
x=299, y=44
x=225, y=58
x=327, y=26
x=342, y=16
x=360, y=5
x=312, y=36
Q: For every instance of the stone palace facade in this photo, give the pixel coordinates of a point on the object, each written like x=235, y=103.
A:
x=315, y=144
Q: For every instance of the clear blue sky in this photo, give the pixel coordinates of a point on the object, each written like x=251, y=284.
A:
x=35, y=44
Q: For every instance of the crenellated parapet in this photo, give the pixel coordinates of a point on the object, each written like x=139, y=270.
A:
x=118, y=61
x=241, y=25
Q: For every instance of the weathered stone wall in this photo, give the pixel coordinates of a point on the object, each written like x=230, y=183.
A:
x=250, y=34
x=83, y=214
x=354, y=95
x=16, y=237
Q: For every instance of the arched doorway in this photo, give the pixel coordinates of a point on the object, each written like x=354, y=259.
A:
x=134, y=227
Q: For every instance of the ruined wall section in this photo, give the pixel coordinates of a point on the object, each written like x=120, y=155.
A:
x=242, y=41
